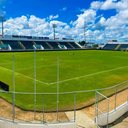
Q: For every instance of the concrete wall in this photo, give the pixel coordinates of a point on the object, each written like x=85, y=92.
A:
x=113, y=115
x=7, y=124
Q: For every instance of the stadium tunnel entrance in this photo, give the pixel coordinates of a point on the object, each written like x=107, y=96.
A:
x=4, y=86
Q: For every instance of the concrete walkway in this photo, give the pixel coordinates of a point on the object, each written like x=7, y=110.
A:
x=123, y=124
x=7, y=124
x=82, y=120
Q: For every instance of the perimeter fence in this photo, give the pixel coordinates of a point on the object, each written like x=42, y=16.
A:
x=109, y=107
x=52, y=107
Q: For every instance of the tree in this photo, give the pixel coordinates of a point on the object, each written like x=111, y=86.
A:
x=82, y=43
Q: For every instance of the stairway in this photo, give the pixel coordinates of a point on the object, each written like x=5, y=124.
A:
x=71, y=45
x=21, y=45
x=1, y=42
x=49, y=45
x=118, y=47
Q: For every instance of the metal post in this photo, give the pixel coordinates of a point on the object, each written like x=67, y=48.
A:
x=57, y=107
x=96, y=108
x=13, y=85
x=74, y=107
x=54, y=32
x=43, y=118
x=84, y=31
x=127, y=103
x=108, y=115
x=115, y=97
x=2, y=19
x=2, y=28
x=34, y=84
x=127, y=98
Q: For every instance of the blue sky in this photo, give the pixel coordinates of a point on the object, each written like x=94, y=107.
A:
x=66, y=9
x=104, y=19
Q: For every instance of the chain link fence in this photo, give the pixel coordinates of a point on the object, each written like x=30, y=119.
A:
x=40, y=110
x=110, y=102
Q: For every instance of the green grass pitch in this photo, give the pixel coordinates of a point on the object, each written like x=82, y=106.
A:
x=78, y=70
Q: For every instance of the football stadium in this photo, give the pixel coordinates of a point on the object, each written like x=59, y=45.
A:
x=41, y=77
x=57, y=74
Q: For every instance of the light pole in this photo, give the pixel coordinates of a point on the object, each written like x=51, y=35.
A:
x=85, y=31
x=2, y=19
x=54, y=32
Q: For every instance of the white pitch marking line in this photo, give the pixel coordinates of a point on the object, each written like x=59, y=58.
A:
x=114, y=69
x=24, y=75
x=70, y=78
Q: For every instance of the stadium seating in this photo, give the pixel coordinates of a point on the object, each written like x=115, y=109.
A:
x=116, y=47
x=61, y=46
x=43, y=43
x=5, y=47
x=110, y=46
x=54, y=45
x=124, y=47
x=66, y=44
x=30, y=44
x=74, y=45
x=38, y=47
x=13, y=44
x=27, y=44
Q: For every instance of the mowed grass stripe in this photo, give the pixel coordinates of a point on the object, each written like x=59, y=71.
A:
x=79, y=70
x=22, y=75
x=80, y=77
x=92, y=74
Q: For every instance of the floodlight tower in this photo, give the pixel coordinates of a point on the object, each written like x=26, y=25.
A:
x=2, y=20
x=85, y=31
x=54, y=32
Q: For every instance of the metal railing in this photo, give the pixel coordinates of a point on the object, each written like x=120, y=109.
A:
x=42, y=113
x=105, y=105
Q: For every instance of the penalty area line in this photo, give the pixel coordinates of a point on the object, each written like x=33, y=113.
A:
x=92, y=74
x=24, y=75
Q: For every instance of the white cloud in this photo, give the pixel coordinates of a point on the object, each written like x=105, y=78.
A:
x=36, y=27
x=58, y=23
x=110, y=4
x=64, y=9
x=88, y=16
x=51, y=17
x=96, y=5
x=102, y=21
x=97, y=27
x=114, y=26
x=118, y=20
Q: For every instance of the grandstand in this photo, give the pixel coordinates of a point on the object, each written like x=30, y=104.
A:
x=12, y=43
x=19, y=43
x=67, y=45
x=124, y=47
x=116, y=46
x=42, y=44
x=110, y=46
